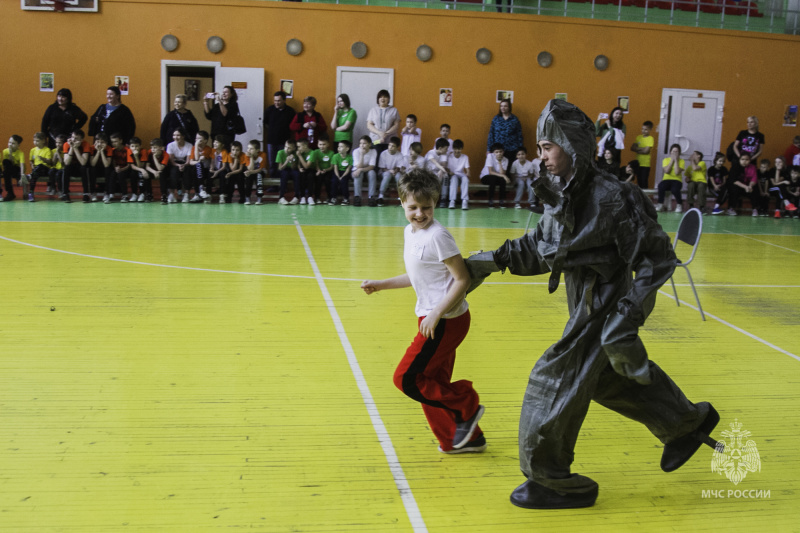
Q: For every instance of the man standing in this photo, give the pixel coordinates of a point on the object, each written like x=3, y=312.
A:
x=277, y=118
x=597, y=231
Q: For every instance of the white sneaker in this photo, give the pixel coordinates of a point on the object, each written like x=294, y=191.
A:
x=123, y=199
x=452, y=204
x=171, y=199
x=185, y=199
x=94, y=197
x=283, y=201
x=134, y=197
x=196, y=199
x=222, y=198
x=465, y=205
x=659, y=207
x=679, y=208
x=303, y=200
x=294, y=201
x=247, y=201
x=140, y=198
x=732, y=212
x=204, y=194
x=106, y=199
x=258, y=201
x=311, y=201
x=755, y=212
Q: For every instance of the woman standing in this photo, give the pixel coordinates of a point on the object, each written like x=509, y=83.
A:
x=613, y=127
x=383, y=122
x=506, y=130
x=343, y=121
x=749, y=141
x=309, y=124
x=62, y=117
x=113, y=117
x=179, y=117
x=221, y=109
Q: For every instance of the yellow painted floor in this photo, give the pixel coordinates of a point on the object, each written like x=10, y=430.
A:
x=203, y=377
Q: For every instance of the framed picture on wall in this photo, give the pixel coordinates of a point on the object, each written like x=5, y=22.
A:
x=287, y=86
x=191, y=88
x=625, y=103
x=446, y=97
x=89, y=6
x=790, y=116
x=504, y=95
x=46, y=82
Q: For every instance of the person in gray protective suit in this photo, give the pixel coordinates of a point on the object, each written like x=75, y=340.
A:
x=597, y=232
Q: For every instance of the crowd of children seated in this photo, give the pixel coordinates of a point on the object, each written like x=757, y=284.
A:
x=195, y=170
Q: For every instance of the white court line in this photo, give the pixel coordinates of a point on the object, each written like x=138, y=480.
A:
x=395, y=467
x=740, y=330
x=765, y=242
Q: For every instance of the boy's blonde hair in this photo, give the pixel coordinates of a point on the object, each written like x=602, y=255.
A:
x=421, y=184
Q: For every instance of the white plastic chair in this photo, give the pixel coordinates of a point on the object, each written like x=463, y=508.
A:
x=689, y=232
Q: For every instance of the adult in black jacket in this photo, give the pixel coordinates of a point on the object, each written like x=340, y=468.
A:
x=62, y=117
x=221, y=110
x=179, y=117
x=277, y=118
x=113, y=117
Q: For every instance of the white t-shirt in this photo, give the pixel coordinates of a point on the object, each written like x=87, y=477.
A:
x=391, y=162
x=178, y=154
x=492, y=163
x=382, y=118
x=408, y=140
x=419, y=162
x=449, y=150
x=424, y=254
x=430, y=156
x=526, y=171
x=458, y=165
x=370, y=158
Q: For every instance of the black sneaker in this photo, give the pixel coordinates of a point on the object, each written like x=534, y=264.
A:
x=67, y=199
x=87, y=199
x=443, y=203
x=531, y=495
x=373, y=202
x=357, y=201
x=474, y=446
x=381, y=203
x=465, y=429
x=164, y=200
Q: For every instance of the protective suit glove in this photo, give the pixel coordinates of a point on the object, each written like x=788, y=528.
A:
x=624, y=349
x=479, y=267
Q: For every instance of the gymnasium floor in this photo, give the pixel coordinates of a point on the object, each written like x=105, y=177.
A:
x=205, y=367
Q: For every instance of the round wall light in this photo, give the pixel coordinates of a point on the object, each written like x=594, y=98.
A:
x=483, y=55
x=215, y=44
x=358, y=49
x=424, y=52
x=545, y=59
x=601, y=62
x=294, y=47
x=169, y=42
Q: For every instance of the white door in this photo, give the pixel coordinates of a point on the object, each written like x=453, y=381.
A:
x=362, y=86
x=692, y=119
x=249, y=86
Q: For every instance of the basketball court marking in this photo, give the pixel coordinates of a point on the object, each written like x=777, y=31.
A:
x=736, y=328
x=412, y=510
x=764, y=242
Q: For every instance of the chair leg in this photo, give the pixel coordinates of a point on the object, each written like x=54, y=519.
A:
x=674, y=290
x=697, y=298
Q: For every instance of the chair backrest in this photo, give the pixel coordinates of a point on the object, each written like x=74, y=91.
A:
x=689, y=231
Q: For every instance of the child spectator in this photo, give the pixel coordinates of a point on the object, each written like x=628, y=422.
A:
x=256, y=171
x=495, y=173
x=158, y=169
x=365, y=160
x=310, y=123
x=762, y=187
x=436, y=271
x=237, y=163
x=323, y=162
x=718, y=183
x=41, y=158
x=57, y=174
x=524, y=172
x=13, y=166
x=411, y=134
x=415, y=159
x=101, y=165
x=219, y=166
x=138, y=162
x=287, y=167
x=743, y=181
x=609, y=162
x=793, y=189
x=673, y=167
x=121, y=169
x=307, y=171
x=697, y=179
x=342, y=164
x=458, y=168
x=180, y=174
x=444, y=133
x=631, y=172
x=200, y=158
x=643, y=146
x=392, y=166
x=436, y=162
x=76, y=163
x=792, y=154
x=778, y=182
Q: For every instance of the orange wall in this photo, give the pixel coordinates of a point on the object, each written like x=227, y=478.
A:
x=124, y=39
